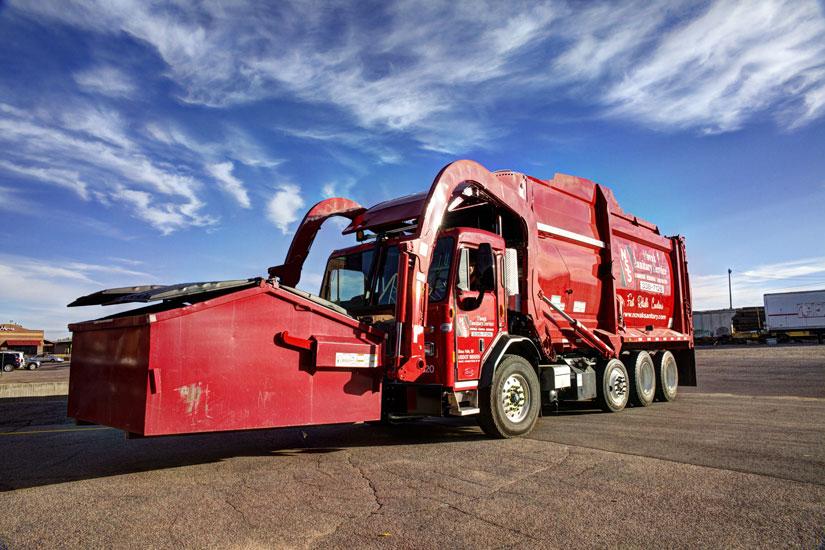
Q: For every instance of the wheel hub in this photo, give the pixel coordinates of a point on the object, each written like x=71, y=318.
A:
x=618, y=385
x=515, y=399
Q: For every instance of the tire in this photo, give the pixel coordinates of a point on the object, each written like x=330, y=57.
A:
x=510, y=405
x=667, y=376
x=32, y=366
x=7, y=367
x=642, y=377
x=612, y=388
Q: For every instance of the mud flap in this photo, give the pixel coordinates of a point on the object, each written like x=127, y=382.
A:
x=686, y=364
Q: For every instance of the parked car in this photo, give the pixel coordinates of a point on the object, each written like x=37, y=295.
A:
x=11, y=360
x=31, y=362
x=48, y=358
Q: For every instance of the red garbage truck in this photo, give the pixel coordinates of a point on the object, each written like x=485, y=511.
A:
x=492, y=294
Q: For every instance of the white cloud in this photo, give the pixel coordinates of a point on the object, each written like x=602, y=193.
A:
x=229, y=183
x=436, y=71
x=106, y=80
x=11, y=201
x=236, y=144
x=105, y=125
x=750, y=284
x=166, y=217
x=35, y=291
x=715, y=71
x=284, y=206
x=338, y=188
x=65, y=178
x=354, y=138
x=127, y=261
x=88, y=150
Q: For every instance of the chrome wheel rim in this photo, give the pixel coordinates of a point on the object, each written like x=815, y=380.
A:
x=515, y=398
x=671, y=377
x=617, y=386
x=647, y=379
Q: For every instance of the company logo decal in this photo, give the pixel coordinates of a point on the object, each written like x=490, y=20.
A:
x=627, y=266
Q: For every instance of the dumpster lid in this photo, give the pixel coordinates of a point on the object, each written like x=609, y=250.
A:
x=151, y=293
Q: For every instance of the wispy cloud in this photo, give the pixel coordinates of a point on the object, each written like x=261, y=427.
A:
x=167, y=217
x=229, y=183
x=354, y=138
x=750, y=284
x=38, y=290
x=65, y=178
x=106, y=80
x=337, y=188
x=89, y=150
x=428, y=70
x=735, y=59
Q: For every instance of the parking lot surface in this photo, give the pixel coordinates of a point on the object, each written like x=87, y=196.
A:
x=737, y=462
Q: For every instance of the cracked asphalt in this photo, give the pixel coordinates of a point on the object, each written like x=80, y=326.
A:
x=738, y=462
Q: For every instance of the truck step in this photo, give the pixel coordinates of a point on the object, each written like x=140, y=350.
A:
x=464, y=411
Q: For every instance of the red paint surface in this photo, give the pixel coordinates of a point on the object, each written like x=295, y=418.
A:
x=222, y=367
x=264, y=357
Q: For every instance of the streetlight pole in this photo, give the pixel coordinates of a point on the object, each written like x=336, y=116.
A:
x=730, y=292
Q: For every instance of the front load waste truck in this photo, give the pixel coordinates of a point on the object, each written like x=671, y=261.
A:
x=492, y=294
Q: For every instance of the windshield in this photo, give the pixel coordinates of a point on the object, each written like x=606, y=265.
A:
x=347, y=284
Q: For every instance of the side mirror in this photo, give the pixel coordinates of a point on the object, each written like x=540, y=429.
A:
x=484, y=265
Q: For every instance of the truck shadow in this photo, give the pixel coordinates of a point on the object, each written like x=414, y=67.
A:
x=41, y=453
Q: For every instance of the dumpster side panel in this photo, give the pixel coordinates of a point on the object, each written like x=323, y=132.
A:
x=226, y=368
x=107, y=380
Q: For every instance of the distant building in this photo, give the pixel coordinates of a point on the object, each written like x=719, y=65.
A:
x=16, y=338
x=63, y=346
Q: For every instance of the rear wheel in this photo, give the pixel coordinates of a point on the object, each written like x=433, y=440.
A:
x=7, y=367
x=510, y=405
x=611, y=391
x=667, y=376
x=642, y=378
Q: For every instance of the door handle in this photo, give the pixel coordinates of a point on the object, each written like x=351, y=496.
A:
x=480, y=345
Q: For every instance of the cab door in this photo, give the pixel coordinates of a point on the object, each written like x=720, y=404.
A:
x=476, y=320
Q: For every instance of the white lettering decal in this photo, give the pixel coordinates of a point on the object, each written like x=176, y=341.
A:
x=361, y=360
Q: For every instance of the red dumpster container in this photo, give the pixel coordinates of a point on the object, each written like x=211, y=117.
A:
x=257, y=358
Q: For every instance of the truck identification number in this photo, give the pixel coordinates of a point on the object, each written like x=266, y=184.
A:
x=651, y=287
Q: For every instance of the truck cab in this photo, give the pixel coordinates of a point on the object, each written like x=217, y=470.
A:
x=466, y=301
x=466, y=313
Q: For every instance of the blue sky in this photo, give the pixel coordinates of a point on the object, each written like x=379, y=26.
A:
x=157, y=143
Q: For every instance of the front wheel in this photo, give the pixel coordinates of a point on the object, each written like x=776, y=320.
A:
x=510, y=405
x=611, y=390
x=32, y=366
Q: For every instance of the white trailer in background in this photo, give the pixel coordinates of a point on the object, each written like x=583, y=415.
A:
x=792, y=311
x=712, y=326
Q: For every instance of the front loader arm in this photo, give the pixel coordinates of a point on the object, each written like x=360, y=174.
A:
x=415, y=256
x=290, y=271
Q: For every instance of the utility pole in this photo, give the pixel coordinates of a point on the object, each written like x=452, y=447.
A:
x=730, y=292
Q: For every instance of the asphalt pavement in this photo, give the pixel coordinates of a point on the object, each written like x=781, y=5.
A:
x=738, y=462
